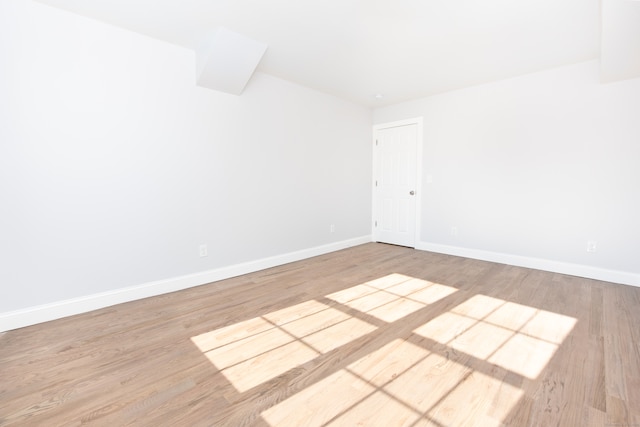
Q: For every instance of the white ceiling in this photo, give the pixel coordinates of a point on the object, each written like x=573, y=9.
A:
x=355, y=49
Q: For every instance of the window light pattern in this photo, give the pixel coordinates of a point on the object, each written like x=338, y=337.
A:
x=481, y=348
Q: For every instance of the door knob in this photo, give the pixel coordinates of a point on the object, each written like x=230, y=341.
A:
x=412, y=192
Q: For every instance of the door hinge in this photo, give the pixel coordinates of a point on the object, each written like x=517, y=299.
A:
x=376, y=182
x=376, y=142
x=376, y=223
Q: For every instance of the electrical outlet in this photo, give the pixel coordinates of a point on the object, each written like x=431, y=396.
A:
x=591, y=246
x=454, y=231
x=332, y=228
x=203, y=251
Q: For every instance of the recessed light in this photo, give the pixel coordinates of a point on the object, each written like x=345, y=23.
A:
x=379, y=96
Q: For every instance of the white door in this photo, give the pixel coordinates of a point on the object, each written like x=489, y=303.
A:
x=395, y=178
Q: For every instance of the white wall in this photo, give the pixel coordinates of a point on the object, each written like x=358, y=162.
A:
x=115, y=166
x=529, y=169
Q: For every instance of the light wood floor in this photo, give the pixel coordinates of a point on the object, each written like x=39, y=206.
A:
x=375, y=335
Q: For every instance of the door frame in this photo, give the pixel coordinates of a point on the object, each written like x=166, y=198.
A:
x=414, y=121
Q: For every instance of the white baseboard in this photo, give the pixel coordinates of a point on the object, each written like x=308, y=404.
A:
x=44, y=313
x=579, y=270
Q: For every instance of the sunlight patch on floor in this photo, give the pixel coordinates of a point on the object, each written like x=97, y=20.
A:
x=338, y=335
x=479, y=392
x=341, y=390
x=230, y=334
x=524, y=355
x=351, y=293
x=304, y=331
x=266, y=366
x=400, y=384
x=384, y=364
x=392, y=298
x=257, y=350
x=513, y=336
x=419, y=376
x=245, y=349
x=295, y=312
x=361, y=384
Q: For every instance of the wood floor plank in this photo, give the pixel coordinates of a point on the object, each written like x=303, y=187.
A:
x=374, y=335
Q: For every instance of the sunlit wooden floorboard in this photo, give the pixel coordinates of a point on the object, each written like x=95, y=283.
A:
x=375, y=335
